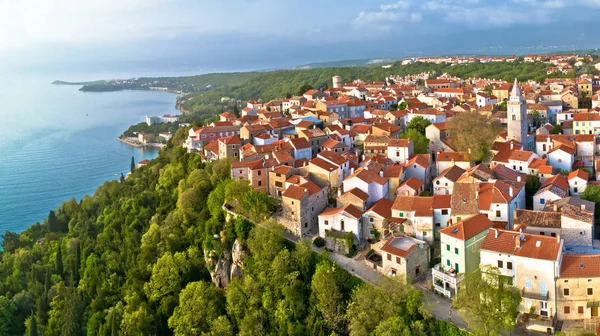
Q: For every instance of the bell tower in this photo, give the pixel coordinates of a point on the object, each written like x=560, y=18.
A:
x=516, y=113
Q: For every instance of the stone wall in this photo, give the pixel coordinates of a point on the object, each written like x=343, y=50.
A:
x=337, y=245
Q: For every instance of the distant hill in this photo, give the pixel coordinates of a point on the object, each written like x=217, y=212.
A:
x=59, y=82
x=346, y=63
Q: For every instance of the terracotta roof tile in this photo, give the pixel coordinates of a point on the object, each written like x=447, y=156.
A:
x=580, y=266
x=383, y=208
x=349, y=209
x=504, y=241
x=468, y=228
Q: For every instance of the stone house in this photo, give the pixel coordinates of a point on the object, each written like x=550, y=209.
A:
x=378, y=216
x=277, y=178
x=355, y=197
x=255, y=172
x=404, y=257
x=376, y=144
x=578, y=288
x=301, y=206
x=229, y=147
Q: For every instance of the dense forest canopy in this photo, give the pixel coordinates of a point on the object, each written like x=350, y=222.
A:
x=137, y=258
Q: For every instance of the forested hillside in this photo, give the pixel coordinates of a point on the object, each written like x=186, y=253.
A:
x=139, y=257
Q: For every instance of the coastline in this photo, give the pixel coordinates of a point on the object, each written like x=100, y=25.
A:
x=133, y=142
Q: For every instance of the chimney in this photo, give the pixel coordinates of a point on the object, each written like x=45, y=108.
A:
x=510, y=191
x=583, y=207
x=517, y=241
x=555, y=207
x=496, y=233
x=519, y=178
x=351, y=170
x=339, y=192
x=512, y=145
x=381, y=174
x=558, y=237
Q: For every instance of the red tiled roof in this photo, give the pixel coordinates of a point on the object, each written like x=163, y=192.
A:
x=383, y=208
x=579, y=173
x=358, y=193
x=506, y=242
x=295, y=192
x=413, y=183
x=558, y=180
x=442, y=201
x=323, y=164
x=350, y=209
x=368, y=176
x=468, y=228
x=422, y=206
x=580, y=266
x=456, y=156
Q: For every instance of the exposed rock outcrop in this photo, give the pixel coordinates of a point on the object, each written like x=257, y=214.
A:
x=227, y=266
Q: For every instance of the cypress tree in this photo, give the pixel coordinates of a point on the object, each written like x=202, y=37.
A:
x=114, y=327
x=53, y=222
x=76, y=264
x=122, y=178
x=59, y=262
x=132, y=164
x=31, y=326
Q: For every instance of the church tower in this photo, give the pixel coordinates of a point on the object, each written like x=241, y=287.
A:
x=516, y=113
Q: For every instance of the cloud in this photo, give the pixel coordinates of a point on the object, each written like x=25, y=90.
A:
x=387, y=16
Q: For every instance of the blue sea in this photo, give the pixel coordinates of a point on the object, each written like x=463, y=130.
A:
x=57, y=142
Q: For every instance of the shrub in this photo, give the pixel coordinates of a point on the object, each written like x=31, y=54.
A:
x=319, y=242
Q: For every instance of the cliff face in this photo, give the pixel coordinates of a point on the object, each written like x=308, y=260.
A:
x=227, y=266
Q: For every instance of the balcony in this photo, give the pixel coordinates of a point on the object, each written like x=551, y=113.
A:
x=529, y=294
x=445, y=282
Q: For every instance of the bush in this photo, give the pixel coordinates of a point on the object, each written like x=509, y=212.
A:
x=319, y=242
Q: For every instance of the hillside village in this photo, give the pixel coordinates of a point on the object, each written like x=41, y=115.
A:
x=337, y=162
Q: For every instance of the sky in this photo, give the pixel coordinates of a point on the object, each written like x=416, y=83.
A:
x=265, y=34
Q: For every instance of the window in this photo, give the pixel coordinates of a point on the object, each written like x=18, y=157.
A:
x=259, y=173
x=279, y=184
x=342, y=225
x=447, y=247
x=326, y=222
x=500, y=264
x=456, y=250
x=371, y=219
x=567, y=310
x=444, y=211
x=542, y=233
x=398, y=261
x=566, y=292
x=514, y=117
x=448, y=262
x=509, y=265
x=552, y=234
x=580, y=309
x=259, y=183
x=542, y=201
x=498, y=213
x=293, y=204
x=389, y=257
x=527, y=283
x=590, y=291
x=575, y=189
x=401, y=214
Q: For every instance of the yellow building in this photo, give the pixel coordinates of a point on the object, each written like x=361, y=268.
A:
x=586, y=123
x=585, y=88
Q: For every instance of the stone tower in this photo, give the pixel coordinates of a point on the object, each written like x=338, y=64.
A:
x=516, y=113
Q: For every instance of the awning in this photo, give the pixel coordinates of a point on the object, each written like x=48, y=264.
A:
x=593, y=304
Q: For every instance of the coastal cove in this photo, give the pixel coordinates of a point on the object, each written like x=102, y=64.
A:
x=59, y=143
